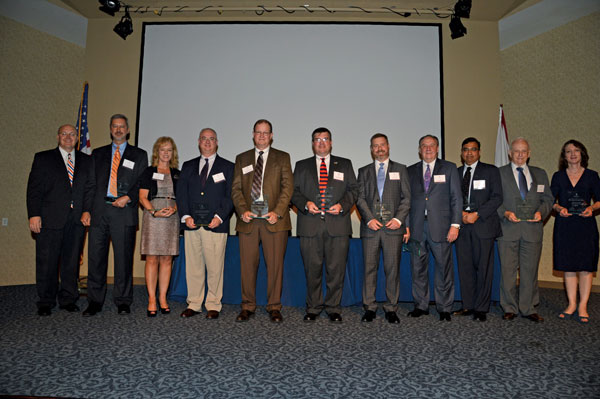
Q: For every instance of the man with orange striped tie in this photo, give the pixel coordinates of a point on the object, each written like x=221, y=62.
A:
x=118, y=167
x=325, y=190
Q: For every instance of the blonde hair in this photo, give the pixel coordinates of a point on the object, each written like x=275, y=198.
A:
x=174, y=163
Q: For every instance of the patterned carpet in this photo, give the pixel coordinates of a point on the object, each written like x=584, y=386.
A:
x=112, y=356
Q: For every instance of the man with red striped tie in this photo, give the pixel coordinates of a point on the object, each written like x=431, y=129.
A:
x=325, y=190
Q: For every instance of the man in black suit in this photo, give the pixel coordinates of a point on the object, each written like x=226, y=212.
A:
x=118, y=167
x=383, y=203
x=482, y=195
x=325, y=190
x=204, y=201
x=435, y=216
x=59, y=198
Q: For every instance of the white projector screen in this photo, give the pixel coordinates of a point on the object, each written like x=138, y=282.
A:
x=354, y=79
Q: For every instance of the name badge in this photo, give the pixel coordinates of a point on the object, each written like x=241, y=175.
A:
x=338, y=176
x=218, y=177
x=478, y=184
x=394, y=175
x=540, y=188
x=439, y=178
x=247, y=169
x=128, y=164
x=158, y=176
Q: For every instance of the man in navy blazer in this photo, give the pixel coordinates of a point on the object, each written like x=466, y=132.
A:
x=482, y=195
x=59, y=198
x=434, y=222
x=118, y=168
x=204, y=200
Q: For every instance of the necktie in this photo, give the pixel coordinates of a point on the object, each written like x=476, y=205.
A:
x=466, y=182
x=523, y=189
x=427, y=178
x=70, y=168
x=113, y=173
x=322, y=183
x=257, y=179
x=204, y=173
x=380, y=179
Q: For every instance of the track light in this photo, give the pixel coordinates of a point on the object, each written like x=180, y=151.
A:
x=457, y=29
x=462, y=8
x=125, y=27
x=109, y=6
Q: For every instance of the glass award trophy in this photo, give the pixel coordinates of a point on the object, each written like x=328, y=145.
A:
x=576, y=203
x=201, y=214
x=326, y=199
x=382, y=213
x=260, y=207
x=525, y=209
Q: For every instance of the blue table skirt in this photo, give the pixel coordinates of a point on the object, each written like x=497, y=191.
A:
x=294, y=281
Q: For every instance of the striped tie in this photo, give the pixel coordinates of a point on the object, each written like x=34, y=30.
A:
x=257, y=179
x=322, y=183
x=70, y=168
x=113, y=173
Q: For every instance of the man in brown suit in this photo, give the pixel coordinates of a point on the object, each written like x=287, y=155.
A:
x=262, y=174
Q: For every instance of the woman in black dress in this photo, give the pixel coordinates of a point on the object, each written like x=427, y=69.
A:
x=575, y=229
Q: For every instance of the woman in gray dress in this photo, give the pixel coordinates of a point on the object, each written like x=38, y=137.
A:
x=160, y=223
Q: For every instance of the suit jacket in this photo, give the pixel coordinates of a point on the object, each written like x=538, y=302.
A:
x=278, y=186
x=306, y=188
x=532, y=232
x=215, y=195
x=49, y=193
x=486, y=200
x=128, y=180
x=395, y=197
x=443, y=201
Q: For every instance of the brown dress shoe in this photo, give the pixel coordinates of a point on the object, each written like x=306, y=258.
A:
x=276, y=316
x=244, y=315
x=508, y=316
x=212, y=314
x=188, y=313
x=536, y=318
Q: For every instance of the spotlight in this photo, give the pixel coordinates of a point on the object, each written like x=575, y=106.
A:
x=109, y=6
x=457, y=28
x=125, y=27
x=462, y=8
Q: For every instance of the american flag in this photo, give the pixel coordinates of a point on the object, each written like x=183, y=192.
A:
x=82, y=125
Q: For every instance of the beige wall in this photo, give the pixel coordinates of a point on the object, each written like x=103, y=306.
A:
x=551, y=93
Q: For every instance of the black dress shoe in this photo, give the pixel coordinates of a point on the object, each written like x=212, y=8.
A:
x=445, y=316
x=275, y=316
x=70, y=307
x=44, y=310
x=536, y=318
x=463, y=312
x=335, y=317
x=244, y=315
x=188, y=313
x=310, y=317
x=392, y=317
x=212, y=314
x=123, y=309
x=416, y=312
x=92, y=309
x=369, y=316
x=508, y=316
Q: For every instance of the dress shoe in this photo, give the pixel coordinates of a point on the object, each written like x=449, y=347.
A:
x=479, y=316
x=166, y=310
x=508, y=316
x=369, y=316
x=44, y=311
x=70, y=307
x=463, y=312
x=188, y=313
x=123, y=309
x=416, y=312
x=244, y=315
x=310, y=317
x=536, y=318
x=212, y=314
x=335, y=317
x=445, y=316
x=92, y=309
x=275, y=316
x=392, y=317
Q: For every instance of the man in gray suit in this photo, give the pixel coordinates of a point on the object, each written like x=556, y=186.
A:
x=527, y=201
x=435, y=216
x=324, y=192
x=383, y=203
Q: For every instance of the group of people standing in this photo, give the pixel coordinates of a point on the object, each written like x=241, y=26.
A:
x=425, y=208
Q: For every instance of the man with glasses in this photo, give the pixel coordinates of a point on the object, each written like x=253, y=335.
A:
x=325, y=190
x=262, y=187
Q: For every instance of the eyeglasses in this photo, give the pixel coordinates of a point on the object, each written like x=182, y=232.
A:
x=321, y=139
x=262, y=133
x=69, y=134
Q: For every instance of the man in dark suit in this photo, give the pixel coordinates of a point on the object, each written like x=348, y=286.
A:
x=482, y=195
x=118, y=167
x=527, y=201
x=435, y=216
x=204, y=200
x=325, y=190
x=262, y=178
x=59, y=198
x=383, y=203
